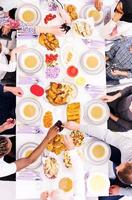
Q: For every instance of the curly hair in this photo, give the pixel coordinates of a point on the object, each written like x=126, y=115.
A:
x=3, y=146
x=125, y=175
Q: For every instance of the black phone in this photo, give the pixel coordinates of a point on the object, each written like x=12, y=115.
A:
x=59, y=125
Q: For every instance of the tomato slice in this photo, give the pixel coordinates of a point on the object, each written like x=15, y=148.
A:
x=72, y=71
x=37, y=90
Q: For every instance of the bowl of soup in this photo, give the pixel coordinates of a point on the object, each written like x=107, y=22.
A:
x=95, y=14
x=66, y=184
x=96, y=112
x=98, y=184
x=29, y=14
x=28, y=110
x=92, y=61
x=30, y=61
x=97, y=152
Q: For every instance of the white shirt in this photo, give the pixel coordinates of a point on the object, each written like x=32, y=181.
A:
x=4, y=66
x=6, y=169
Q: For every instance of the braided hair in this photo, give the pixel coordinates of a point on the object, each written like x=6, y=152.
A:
x=3, y=146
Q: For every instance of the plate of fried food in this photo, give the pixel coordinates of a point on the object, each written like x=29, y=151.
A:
x=29, y=14
x=72, y=11
x=91, y=11
x=83, y=28
x=73, y=112
x=49, y=41
x=48, y=119
x=56, y=145
x=61, y=93
x=50, y=167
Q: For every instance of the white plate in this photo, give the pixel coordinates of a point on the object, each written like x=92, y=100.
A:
x=20, y=114
x=86, y=9
x=89, y=21
x=32, y=8
x=64, y=51
x=90, y=105
x=27, y=147
x=30, y=52
x=93, y=177
x=91, y=158
x=100, y=58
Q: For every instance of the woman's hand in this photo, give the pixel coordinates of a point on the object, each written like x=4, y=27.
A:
x=108, y=98
x=53, y=131
x=98, y=4
x=113, y=117
x=17, y=91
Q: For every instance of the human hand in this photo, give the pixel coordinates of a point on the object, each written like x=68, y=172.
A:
x=98, y=4
x=116, y=73
x=44, y=195
x=17, y=91
x=68, y=142
x=71, y=125
x=113, y=117
x=108, y=98
x=114, y=190
x=56, y=30
x=9, y=124
x=19, y=49
x=53, y=131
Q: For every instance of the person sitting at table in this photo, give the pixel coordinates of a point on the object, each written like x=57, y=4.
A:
x=7, y=108
x=79, y=185
x=119, y=60
x=121, y=156
x=120, y=104
x=121, y=20
x=4, y=66
x=7, y=24
x=10, y=13
x=5, y=148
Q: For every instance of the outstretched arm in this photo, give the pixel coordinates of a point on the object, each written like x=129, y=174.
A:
x=24, y=162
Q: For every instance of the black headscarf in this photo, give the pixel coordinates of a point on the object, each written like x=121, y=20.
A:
x=127, y=9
